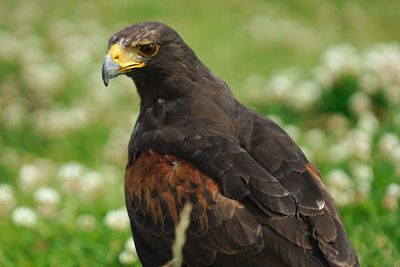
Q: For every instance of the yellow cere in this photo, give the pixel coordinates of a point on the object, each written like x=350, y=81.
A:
x=126, y=59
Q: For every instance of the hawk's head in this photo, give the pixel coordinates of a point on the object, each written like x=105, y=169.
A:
x=146, y=48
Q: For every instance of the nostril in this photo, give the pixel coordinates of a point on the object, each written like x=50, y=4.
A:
x=116, y=57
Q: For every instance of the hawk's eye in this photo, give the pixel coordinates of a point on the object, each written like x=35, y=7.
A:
x=148, y=50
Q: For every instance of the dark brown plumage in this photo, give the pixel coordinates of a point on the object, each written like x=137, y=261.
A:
x=257, y=201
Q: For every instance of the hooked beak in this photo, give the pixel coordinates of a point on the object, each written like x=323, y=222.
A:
x=110, y=70
x=119, y=61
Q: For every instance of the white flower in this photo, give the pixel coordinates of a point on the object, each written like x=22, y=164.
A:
x=340, y=186
x=359, y=142
x=86, y=221
x=70, y=170
x=30, y=177
x=24, y=216
x=383, y=60
x=360, y=102
x=92, y=183
x=369, y=82
x=323, y=76
x=117, y=219
x=368, y=122
x=393, y=190
x=14, y=114
x=44, y=79
x=387, y=143
x=70, y=174
x=126, y=257
x=363, y=176
x=315, y=138
x=339, y=152
x=11, y=47
x=396, y=153
x=392, y=196
x=281, y=86
x=130, y=245
x=304, y=95
x=7, y=199
x=341, y=59
x=47, y=196
x=59, y=122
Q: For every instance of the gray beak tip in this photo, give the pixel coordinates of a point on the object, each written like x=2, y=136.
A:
x=105, y=76
x=110, y=70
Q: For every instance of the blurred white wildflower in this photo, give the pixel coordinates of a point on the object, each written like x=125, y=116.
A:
x=392, y=196
x=368, y=122
x=128, y=255
x=13, y=115
x=315, y=138
x=31, y=177
x=305, y=94
x=70, y=175
x=86, y=221
x=383, y=60
x=92, y=184
x=363, y=176
x=44, y=79
x=117, y=219
x=396, y=154
x=360, y=102
x=46, y=199
x=359, y=143
x=10, y=47
x=61, y=121
x=340, y=186
x=339, y=60
x=7, y=199
x=23, y=216
x=339, y=152
x=387, y=143
x=369, y=82
x=281, y=86
x=126, y=258
x=322, y=76
x=130, y=245
x=46, y=196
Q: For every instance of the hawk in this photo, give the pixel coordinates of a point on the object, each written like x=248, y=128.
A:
x=257, y=200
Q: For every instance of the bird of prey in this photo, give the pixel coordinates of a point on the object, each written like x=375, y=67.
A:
x=257, y=200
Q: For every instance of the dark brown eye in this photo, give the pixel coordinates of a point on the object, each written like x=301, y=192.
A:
x=148, y=50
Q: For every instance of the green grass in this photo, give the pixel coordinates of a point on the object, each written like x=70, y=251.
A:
x=237, y=40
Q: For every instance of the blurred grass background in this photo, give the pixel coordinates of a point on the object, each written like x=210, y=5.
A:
x=327, y=71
